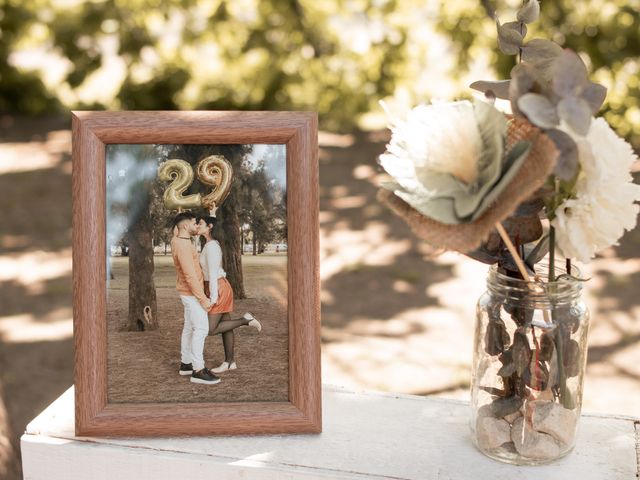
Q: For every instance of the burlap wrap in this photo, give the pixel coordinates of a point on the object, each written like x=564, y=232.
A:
x=466, y=237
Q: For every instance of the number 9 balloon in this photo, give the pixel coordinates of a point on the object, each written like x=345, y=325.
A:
x=217, y=172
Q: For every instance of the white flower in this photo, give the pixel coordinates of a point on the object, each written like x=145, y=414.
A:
x=603, y=207
x=448, y=160
x=442, y=137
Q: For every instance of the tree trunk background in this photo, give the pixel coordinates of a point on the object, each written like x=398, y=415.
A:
x=142, y=290
x=229, y=236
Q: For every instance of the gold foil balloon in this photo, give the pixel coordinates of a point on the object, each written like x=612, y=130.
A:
x=217, y=172
x=180, y=174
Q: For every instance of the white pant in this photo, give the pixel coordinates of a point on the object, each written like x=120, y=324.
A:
x=194, y=332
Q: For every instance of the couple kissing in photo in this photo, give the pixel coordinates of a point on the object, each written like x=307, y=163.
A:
x=206, y=295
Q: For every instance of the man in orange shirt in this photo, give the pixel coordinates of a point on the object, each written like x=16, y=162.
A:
x=190, y=286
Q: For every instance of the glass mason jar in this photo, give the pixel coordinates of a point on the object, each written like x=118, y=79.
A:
x=530, y=352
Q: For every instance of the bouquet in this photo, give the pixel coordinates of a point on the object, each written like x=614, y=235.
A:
x=463, y=171
x=509, y=190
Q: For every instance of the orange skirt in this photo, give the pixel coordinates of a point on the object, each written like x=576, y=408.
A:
x=225, y=297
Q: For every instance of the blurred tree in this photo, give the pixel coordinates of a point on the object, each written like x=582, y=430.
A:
x=250, y=54
x=338, y=58
x=20, y=91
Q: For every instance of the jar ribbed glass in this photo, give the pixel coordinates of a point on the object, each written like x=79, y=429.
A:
x=530, y=352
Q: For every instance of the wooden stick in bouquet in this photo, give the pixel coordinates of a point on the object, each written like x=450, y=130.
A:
x=512, y=250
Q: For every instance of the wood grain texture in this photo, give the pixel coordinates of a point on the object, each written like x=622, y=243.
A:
x=94, y=416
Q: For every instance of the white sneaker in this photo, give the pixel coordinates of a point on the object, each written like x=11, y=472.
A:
x=253, y=322
x=224, y=366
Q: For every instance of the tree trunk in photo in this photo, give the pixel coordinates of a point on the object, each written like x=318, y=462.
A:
x=254, y=244
x=142, y=290
x=227, y=235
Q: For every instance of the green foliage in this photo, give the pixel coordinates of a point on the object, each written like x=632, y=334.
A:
x=337, y=58
x=206, y=54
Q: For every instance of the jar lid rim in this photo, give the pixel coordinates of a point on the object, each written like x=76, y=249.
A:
x=562, y=278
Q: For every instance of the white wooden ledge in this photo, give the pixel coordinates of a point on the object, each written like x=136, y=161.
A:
x=366, y=435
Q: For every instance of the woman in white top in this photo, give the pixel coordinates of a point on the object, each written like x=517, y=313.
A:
x=219, y=291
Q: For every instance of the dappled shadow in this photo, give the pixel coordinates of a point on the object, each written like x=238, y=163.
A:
x=36, y=351
x=373, y=267
x=601, y=353
x=619, y=291
x=381, y=292
x=33, y=375
x=629, y=244
x=18, y=128
x=35, y=209
x=51, y=294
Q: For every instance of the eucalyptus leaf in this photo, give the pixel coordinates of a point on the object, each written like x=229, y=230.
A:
x=523, y=80
x=521, y=316
x=569, y=74
x=539, y=110
x=496, y=335
x=482, y=254
x=529, y=12
x=541, y=54
x=493, y=391
x=523, y=229
x=519, y=28
x=507, y=262
x=507, y=370
x=538, y=252
x=546, y=347
x=521, y=352
x=594, y=94
x=567, y=163
x=489, y=251
x=509, y=40
x=499, y=88
x=576, y=113
x=529, y=208
x=552, y=354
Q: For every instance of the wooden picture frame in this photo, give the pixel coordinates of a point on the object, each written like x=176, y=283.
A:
x=94, y=415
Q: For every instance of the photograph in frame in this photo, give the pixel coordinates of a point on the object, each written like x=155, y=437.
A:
x=155, y=320
x=239, y=191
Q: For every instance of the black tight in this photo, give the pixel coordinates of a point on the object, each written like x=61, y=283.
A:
x=223, y=324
